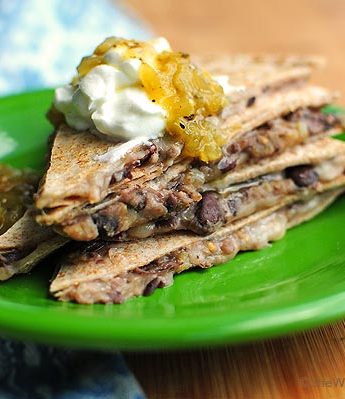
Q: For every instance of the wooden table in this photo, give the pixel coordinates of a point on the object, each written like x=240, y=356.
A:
x=305, y=366
x=309, y=365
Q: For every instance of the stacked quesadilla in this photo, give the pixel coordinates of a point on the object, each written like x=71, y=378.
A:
x=106, y=272
x=140, y=211
x=97, y=189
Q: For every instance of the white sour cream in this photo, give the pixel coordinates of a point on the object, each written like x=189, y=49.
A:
x=109, y=98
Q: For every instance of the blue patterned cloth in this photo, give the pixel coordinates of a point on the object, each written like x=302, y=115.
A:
x=41, y=42
x=29, y=371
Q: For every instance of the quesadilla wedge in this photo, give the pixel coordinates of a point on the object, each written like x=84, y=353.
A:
x=182, y=199
x=112, y=273
x=25, y=244
x=217, y=209
x=88, y=184
x=85, y=170
x=16, y=190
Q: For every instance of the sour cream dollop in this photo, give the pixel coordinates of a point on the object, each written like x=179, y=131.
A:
x=110, y=98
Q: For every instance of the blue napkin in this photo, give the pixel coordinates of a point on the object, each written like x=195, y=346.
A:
x=29, y=371
x=42, y=41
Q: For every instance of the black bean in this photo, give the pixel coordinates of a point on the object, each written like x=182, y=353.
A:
x=127, y=172
x=171, y=203
x=266, y=126
x=303, y=175
x=209, y=210
x=226, y=164
x=151, y=150
x=318, y=123
x=151, y=286
x=289, y=116
x=106, y=225
x=251, y=101
x=233, y=148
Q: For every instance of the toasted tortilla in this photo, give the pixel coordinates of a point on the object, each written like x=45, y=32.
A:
x=80, y=223
x=67, y=213
x=80, y=171
x=24, y=244
x=112, y=272
x=123, y=257
x=80, y=266
x=272, y=106
x=310, y=153
x=251, y=75
x=259, y=68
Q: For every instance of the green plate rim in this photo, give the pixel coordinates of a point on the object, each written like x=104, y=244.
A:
x=56, y=329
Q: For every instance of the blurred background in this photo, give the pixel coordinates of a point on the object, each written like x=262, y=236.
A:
x=278, y=26
x=43, y=41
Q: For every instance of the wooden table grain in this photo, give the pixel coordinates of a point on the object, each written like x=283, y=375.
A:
x=304, y=366
x=309, y=365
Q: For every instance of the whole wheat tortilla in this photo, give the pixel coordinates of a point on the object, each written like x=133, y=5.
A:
x=158, y=179
x=273, y=106
x=118, y=258
x=24, y=244
x=78, y=272
x=310, y=153
x=251, y=75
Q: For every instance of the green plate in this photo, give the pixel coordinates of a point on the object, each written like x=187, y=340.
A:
x=297, y=283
